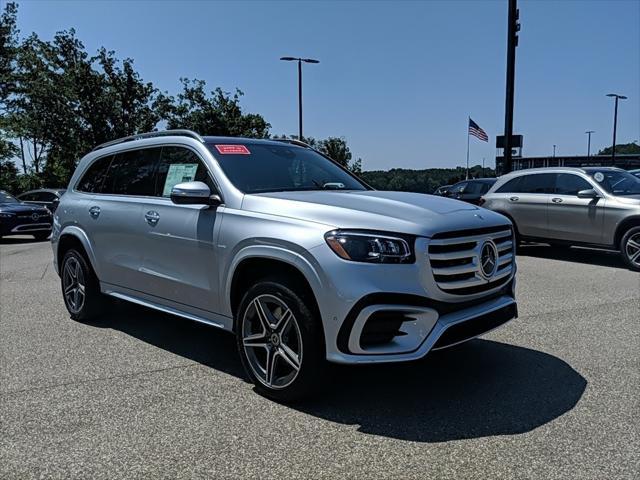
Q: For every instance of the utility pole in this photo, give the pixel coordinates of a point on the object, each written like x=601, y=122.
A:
x=589, y=132
x=512, y=42
x=615, y=125
x=299, y=60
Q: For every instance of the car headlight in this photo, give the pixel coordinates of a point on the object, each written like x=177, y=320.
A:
x=6, y=215
x=369, y=247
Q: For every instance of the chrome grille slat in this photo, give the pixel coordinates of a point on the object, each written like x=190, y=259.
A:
x=456, y=267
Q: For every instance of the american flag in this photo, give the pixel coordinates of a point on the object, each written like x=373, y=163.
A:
x=476, y=131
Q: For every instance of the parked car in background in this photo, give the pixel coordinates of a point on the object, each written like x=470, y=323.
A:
x=45, y=197
x=18, y=218
x=283, y=247
x=591, y=206
x=441, y=191
x=470, y=191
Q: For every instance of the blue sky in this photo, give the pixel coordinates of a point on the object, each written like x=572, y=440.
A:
x=397, y=79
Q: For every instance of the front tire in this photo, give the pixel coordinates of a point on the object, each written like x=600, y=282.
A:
x=280, y=341
x=80, y=287
x=630, y=248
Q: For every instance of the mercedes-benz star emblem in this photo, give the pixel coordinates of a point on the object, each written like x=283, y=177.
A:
x=488, y=259
x=35, y=216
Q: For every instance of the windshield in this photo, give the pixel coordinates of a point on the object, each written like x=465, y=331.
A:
x=6, y=198
x=259, y=168
x=617, y=182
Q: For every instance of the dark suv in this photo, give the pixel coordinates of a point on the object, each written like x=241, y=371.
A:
x=470, y=191
x=17, y=218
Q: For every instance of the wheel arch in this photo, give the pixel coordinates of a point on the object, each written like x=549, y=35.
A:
x=72, y=237
x=622, y=228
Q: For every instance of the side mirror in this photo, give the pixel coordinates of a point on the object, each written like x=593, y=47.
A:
x=194, y=193
x=588, y=193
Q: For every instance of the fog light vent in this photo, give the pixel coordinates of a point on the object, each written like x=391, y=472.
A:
x=382, y=327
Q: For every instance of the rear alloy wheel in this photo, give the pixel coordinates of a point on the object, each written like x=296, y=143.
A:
x=280, y=342
x=80, y=288
x=630, y=248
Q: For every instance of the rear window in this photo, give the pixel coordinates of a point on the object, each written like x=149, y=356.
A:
x=92, y=180
x=261, y=168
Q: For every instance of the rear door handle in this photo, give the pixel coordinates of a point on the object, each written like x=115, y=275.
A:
x=152, y=217
x=514, y=199
x=94, y=211
x=556, y=200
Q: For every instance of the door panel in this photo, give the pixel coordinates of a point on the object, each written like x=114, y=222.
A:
x=572, y=218
x=179, y=261
x=529, y=211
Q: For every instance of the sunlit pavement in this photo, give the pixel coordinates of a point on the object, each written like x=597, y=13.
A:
x=553, y=394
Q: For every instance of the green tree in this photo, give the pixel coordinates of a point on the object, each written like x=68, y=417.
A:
x=217, y=113
x=622, y=149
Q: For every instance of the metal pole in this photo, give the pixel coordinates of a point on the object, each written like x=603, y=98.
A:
x=512, y=43
x=615, y=126
x=589, y=132
x=468, y=123
x=554, y=151
x=482, y=167
x=300, y=137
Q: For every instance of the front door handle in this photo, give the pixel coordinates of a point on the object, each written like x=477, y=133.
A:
x=514, y=199
x=152, y=217
x=94, y=211
x=556, y=200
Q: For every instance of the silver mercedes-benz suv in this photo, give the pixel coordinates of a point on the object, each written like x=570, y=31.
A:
x=591, y=206
x=280, y=245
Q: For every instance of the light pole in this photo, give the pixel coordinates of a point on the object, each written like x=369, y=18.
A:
x=589, y=132
x=615, y=125
x=299, y=60
x=554, y=151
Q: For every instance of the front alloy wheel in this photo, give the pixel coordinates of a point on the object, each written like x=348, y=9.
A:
x=630, y=247
x=272, y=341
x=280, y=339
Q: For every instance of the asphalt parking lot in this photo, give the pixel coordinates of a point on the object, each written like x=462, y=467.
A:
x=553, y=394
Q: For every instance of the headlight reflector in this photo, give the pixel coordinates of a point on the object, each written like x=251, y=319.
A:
x=369, y=247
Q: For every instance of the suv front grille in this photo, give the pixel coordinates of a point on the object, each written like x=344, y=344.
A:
x=455, y=259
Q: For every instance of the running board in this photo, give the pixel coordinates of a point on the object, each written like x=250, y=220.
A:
x=162, y=308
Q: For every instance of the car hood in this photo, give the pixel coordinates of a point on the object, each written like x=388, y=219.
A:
x=21, y=208
x=401, y=212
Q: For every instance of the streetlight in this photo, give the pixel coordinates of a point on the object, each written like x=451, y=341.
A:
x=615, y=125
x=589, y=132
x=299, y=60
x=554, y=151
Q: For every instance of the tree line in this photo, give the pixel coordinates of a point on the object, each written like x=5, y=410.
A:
x=57, y=101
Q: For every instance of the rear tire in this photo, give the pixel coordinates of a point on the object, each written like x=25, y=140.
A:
x=630, y=248
x=280, y=341
x=80, y=287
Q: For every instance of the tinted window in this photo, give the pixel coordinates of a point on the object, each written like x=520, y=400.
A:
x=7, y=198
x=486, y=187
x=511, y=186
x=569, y=184
x=272, y=168
x=474, y=188
x=45, y=197
x=94, y=177
x=28, y=197
x=132, y=173
x=179, y=165
x=537, y=183
x=458, y=187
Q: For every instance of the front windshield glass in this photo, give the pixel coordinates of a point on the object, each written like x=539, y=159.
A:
x=6, y=198
x=617, y=182
x=260, y=168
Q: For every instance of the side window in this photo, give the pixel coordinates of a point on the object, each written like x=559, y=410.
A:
x=458, y=187
x=537, y=183
x=132, y=172
x=45, y=197
x=485, y=188
x=473, y=188
x=92, y=180
x=512, y=186
x=569, y=184
x=177, y=165
x=28, y=197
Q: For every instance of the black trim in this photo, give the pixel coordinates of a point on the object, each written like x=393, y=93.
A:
x=476, y=326
x=442, y=308
x=472, y=231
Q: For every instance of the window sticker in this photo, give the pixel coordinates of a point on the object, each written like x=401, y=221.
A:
x=599, y=177
x=178, y=173
x=233, y=149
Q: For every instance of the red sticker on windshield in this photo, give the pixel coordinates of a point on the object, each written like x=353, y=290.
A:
x=233, y=149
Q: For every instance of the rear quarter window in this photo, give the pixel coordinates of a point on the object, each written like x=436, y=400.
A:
x=93, y=178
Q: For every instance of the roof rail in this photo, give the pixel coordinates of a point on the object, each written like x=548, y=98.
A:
x=163, y=133
x=294, y=141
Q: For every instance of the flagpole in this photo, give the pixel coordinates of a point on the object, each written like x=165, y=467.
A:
x=468, y=123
